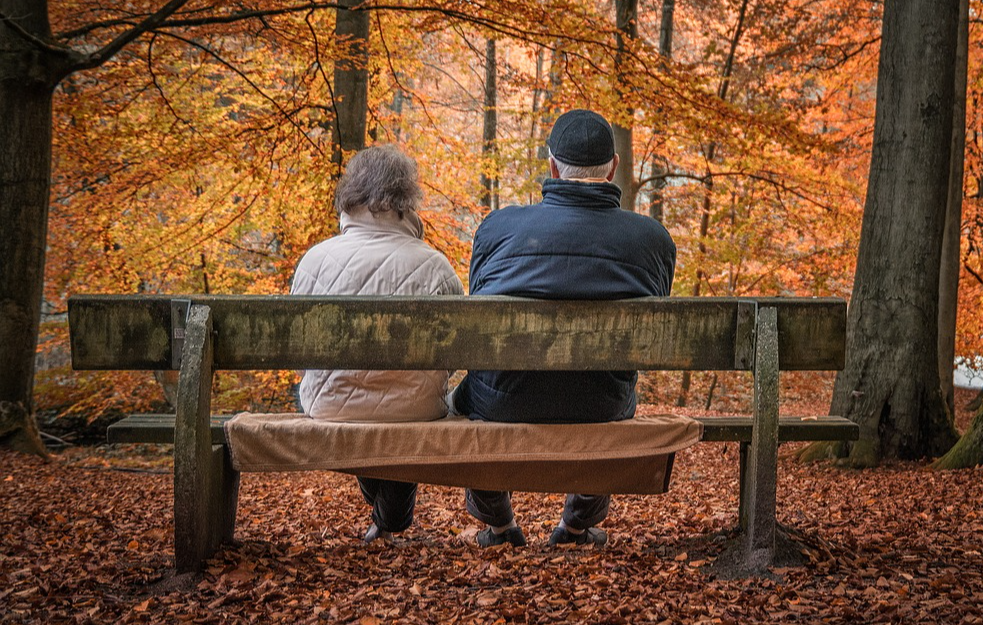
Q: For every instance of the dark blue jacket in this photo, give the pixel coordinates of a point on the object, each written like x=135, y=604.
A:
x=576, y=244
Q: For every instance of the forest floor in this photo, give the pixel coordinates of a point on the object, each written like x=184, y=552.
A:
x=86, y=538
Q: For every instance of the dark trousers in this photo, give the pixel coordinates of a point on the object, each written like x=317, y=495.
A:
x=392, y=502
x=494, y=508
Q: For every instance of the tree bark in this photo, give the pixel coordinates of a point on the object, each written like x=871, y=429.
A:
x=351, y=81
x=711, y=153
x=968, y=451
x=952, y=236
x=660, y=166
x=890, y=385
x=27, y=81
x=627, y=31
x=546, y=112
x=489, y=198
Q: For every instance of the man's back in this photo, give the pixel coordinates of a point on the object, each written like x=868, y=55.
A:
x=576, y=244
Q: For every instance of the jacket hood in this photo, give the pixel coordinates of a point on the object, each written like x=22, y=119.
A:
x=409, y=224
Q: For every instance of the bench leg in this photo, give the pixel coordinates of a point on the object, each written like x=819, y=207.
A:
x=760, y=475
x=205, y=486
x=224, y=498
x=742, y=511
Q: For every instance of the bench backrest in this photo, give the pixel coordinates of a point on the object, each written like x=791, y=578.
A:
x=286, y=332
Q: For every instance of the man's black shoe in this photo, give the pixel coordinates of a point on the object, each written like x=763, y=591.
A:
x=513, y=536
x=592, y=536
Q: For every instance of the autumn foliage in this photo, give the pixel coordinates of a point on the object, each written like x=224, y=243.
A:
x=198, y=160
x=88, y=539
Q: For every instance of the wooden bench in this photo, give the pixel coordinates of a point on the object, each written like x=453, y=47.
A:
x=201, y=334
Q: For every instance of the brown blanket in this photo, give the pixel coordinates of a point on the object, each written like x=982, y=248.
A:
x=633, y=456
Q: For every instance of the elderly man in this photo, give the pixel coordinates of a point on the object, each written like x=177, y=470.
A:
x=575, y=244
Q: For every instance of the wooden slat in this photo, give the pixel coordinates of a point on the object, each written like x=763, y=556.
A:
x=283, y=332
x=154, y=428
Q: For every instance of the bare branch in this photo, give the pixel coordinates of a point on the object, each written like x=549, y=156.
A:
x=231, y=18
x=973, y=273
x=249, y=82
x=38, y=42
x=110, y=49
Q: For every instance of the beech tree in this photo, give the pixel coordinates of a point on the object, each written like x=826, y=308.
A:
x=626, y=20
x=32, y=64
x=890, y=385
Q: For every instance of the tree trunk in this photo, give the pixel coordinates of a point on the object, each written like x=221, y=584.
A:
x=546, y=116
x=952, y=237
x=489, y=198
x=27, y=83
x=976, y=402
x=890, y=385
x=627, y=31
x=711, y=153
x=968, y=451
x=660, y=165
x=351, y=81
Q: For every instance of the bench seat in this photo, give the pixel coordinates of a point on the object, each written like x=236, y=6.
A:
x=159, y=428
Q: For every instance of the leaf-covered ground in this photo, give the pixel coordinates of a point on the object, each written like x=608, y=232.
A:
x=86, y=539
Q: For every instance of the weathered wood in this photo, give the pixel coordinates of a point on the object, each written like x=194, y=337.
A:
x=223, y=499
x=761, y=475
x=282, y=332
x=264, y=332
x=194, y=533
x=747, y=314
x=159, y=428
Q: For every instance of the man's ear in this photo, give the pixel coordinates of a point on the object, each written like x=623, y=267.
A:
x=614, y=167
x=554, y=170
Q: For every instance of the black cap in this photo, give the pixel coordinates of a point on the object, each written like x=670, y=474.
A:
x=582, y=138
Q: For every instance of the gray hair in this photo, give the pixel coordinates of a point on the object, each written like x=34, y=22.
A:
x=380, y=178
x=576, y=171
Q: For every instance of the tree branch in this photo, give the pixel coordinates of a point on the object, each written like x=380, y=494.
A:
x=973, y=273
x=249, y=82
x=37, y=42
x=231, y=18
x=108, y=51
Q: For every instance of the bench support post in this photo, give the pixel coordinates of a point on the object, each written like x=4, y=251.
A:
x=759, y=473
x=205, y=485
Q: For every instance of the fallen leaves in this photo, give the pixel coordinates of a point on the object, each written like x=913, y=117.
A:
x=82, y=544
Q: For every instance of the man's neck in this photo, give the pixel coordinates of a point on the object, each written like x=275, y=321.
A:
x=586, y=179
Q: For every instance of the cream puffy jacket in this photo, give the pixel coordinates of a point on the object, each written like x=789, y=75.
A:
x=375, y=255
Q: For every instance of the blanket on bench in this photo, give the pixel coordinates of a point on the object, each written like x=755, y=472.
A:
x=631, y=457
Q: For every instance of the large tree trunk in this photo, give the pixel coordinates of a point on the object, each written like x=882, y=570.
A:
x=351, y=81
x=627, y=31
x=952, y=237
x=968, y=451
x=26, y=87
x=489, y=198
x=890, y=385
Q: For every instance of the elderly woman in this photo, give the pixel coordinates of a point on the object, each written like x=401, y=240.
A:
x=380, y=251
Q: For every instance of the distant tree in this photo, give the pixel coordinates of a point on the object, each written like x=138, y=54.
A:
x=489, y=182
x=351, y=80
x=952, y=234
x=626, y=19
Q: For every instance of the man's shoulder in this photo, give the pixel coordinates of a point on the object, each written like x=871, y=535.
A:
x=505, y=217
x=642, y=225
